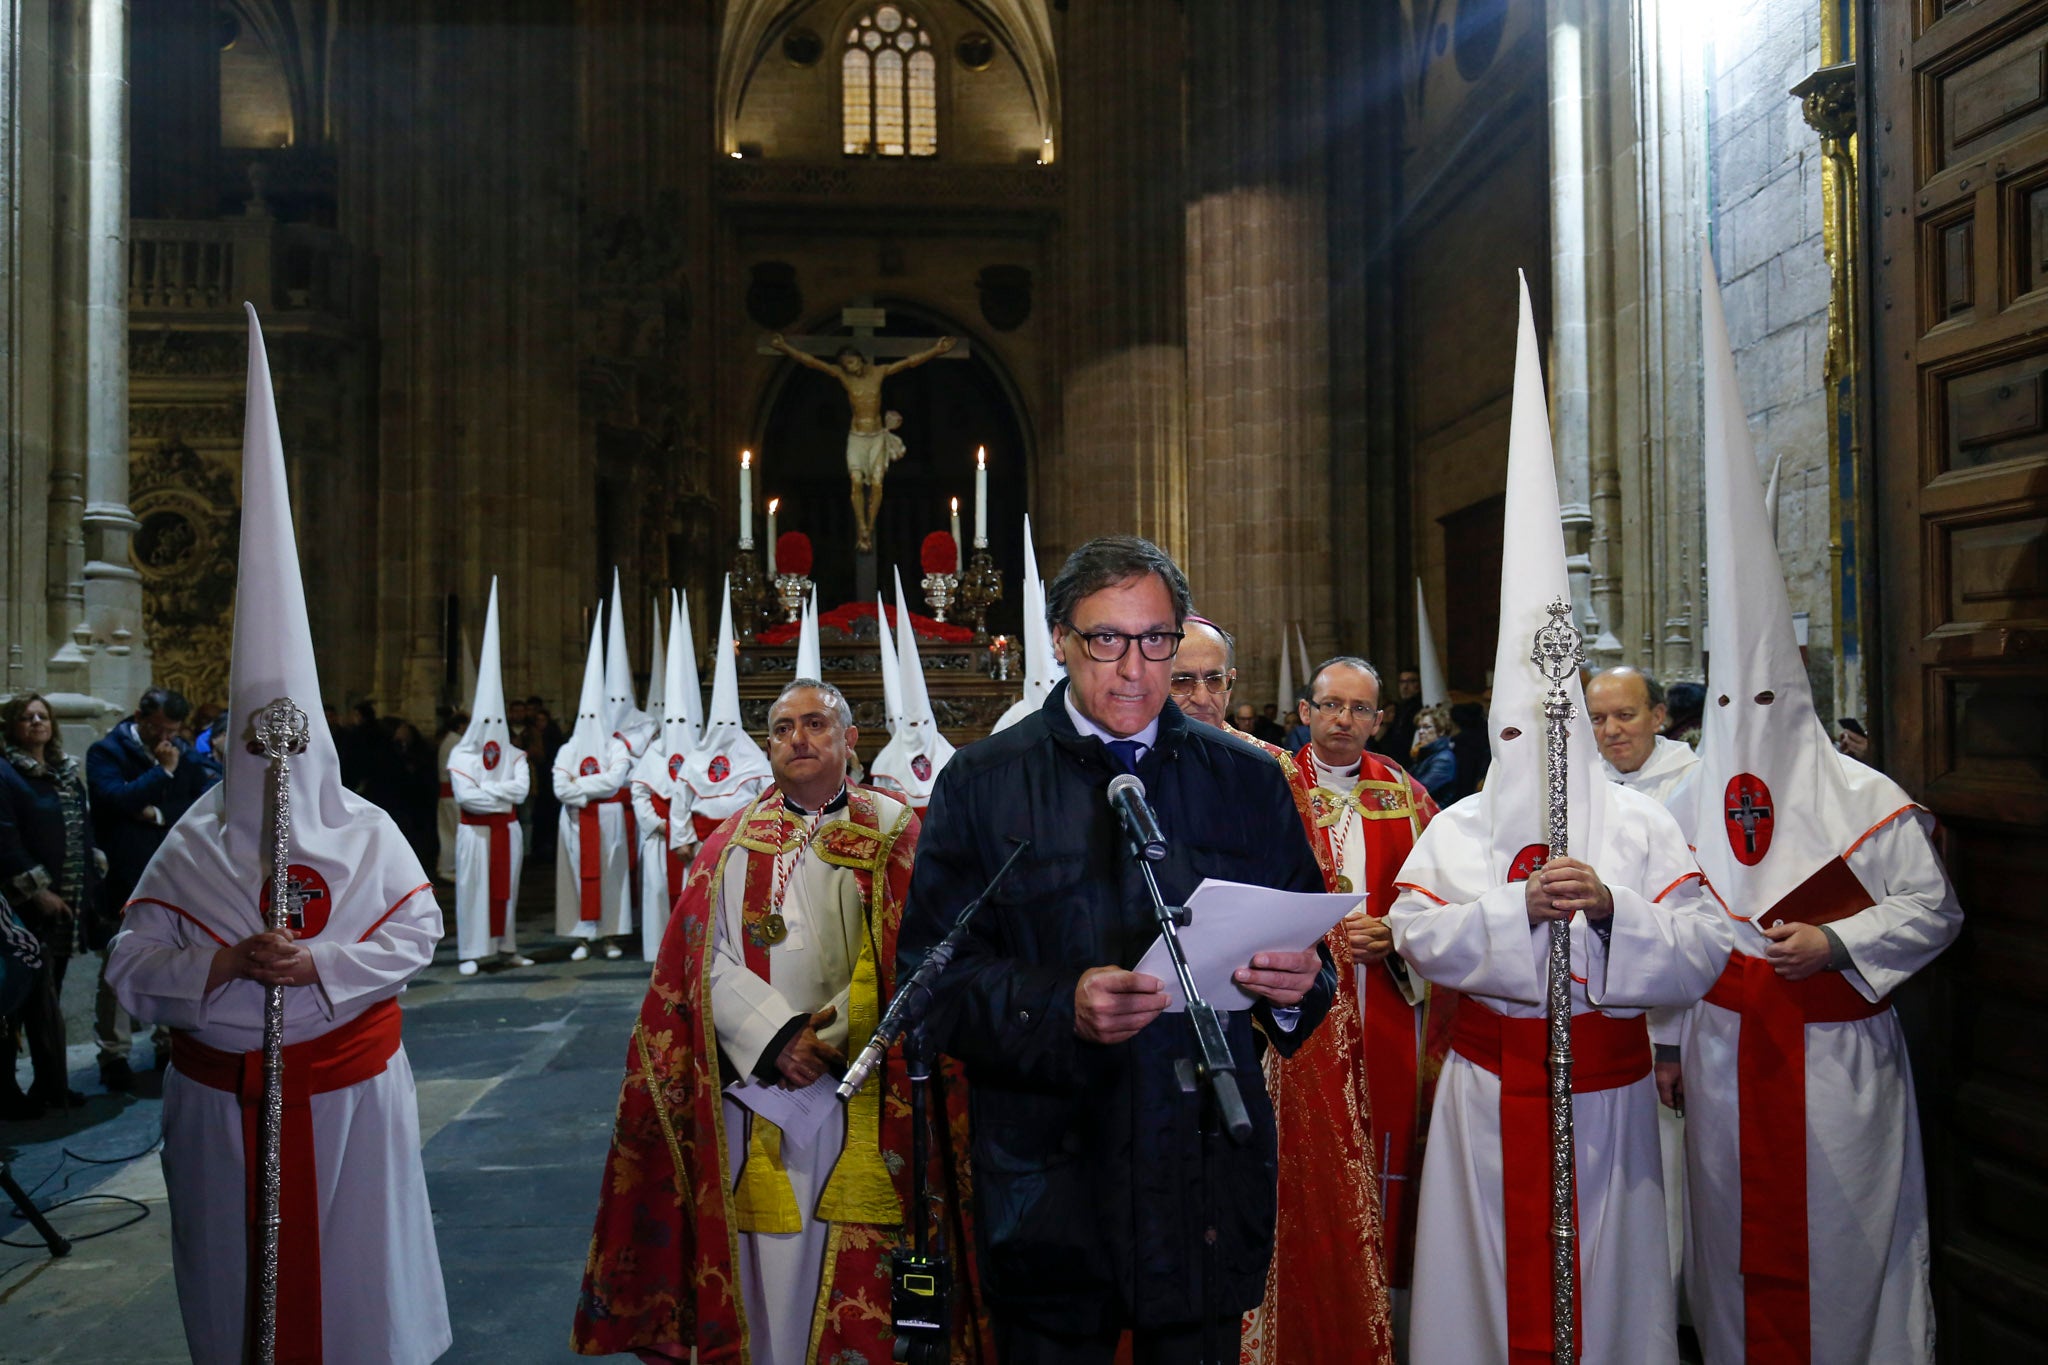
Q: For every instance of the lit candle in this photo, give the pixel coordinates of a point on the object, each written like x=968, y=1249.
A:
x=981, y=498
x=956, y=535
x=746, y=499
x=773, y=503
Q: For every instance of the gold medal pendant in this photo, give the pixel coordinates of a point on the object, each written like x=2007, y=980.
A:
x=1343, y=884
x=774, y=928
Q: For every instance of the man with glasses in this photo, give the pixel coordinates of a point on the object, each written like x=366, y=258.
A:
x=1105, y=1198
x=1365, y=815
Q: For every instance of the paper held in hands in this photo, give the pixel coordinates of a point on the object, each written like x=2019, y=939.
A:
x=1231, y=922
x=800, y=1114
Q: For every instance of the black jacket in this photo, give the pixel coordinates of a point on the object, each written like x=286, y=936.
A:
x=126, y=780
x=1089, y=1171
x=34, y=849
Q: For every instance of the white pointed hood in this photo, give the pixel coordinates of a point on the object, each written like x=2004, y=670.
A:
x=622, y=715
x=591, y=735
x=1286, y=694
x=1777, y=752
x=1301, y=655
x=686, y=654
x=917, y=752
x=1042, y=671
x=354, y=864
x=809, y=657
x=657, y=674
x=1434, y=691
x=485, y=750
x=1771, y=497
x=727, y=768
x=892, y=676
x=661, y=769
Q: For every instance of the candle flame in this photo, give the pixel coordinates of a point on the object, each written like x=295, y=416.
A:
x=981, y=457
x=773, y=503
x=956, y=507
x=746, y=459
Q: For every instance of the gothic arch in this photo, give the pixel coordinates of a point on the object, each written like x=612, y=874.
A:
x=753, y=28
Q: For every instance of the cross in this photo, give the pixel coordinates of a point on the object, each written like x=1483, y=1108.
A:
x=1749, y=815
x=862, y=322
x=296, y=894
x=1387, y=1175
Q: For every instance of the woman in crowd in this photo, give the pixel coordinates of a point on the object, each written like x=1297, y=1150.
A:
x=50, y=870
x=1431, y=761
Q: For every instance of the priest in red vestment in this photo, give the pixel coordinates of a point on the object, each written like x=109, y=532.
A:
x=1326, y=1291
x=717, y=1228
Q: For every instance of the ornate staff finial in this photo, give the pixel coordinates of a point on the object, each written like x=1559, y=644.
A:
x=1559, y=647
x=282, y=729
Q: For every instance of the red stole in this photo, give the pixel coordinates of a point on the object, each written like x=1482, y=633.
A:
x=500, y=825
x=1771, y=1088
x=1400, y=1073
x=1607, y=1053
x=660, y=1276
x=344, y=1056
x=590, y=852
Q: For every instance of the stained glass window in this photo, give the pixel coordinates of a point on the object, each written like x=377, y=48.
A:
x=889, y=104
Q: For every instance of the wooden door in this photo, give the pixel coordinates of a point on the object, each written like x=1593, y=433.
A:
x=1956, y=176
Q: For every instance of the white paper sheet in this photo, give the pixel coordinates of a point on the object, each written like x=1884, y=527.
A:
x=800, y=1114
x=1231, y=922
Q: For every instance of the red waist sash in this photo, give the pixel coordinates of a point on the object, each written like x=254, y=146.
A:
x=590, y=851
x=1771, y=1088
x=1607, y=1053
x=349, y=1055
x=500, y=824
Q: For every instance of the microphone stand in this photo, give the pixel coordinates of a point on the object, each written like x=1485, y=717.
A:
x=920, y=1298
x=1213, y=1066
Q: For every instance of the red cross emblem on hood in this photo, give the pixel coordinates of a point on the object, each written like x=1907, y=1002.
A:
x=922, y=766
x=492, y=753
x=1749, y=814
x=720, y=769
x=675, y=767
x=307, y=901
x=1528, y=862
x=587, y=768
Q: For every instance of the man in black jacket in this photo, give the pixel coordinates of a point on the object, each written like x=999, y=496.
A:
x=143, y=774
x=1100, y=1204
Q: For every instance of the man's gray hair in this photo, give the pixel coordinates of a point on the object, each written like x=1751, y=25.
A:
x=1651, y=687
x=1347, y=661
x=833, y=695
x=1105, y=562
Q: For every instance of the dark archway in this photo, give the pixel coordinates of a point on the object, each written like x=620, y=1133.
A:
x=949, y=407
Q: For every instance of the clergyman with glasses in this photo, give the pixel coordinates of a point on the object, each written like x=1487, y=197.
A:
x=1091, y=1162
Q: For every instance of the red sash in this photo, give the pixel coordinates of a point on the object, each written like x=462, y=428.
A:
x=336, y=1060
x=590, y=851
x=1607, y=1053
x=1771, y=1087
x=500, y=826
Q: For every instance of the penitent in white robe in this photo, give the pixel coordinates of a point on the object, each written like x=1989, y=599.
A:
x=810, y=969
x=1866, y=1190
x=574, y=791
x=662, y=806
x=487, y=793
x=1669, y=942
x=381, y=1292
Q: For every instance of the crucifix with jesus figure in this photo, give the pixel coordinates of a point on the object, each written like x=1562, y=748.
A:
x=857, y=363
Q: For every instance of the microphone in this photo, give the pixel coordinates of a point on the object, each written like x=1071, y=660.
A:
x=1127, y=799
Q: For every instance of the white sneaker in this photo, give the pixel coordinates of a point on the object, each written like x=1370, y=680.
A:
x=514, y=960
x=582, y=951
x=468, y=967
x=613, y=950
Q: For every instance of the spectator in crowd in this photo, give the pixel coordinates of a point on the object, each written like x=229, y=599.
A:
x=1397, y=730
x=1431, y=760
x=545, y=740
x=1684, y=704
x=1245, y=719
x=144, y=774
x=1298, y=733
x=51, y=872
x=1267, y=726
x=399, y=776
x=1473, y=753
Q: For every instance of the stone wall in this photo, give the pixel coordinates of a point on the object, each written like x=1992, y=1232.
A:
x=1765, y=192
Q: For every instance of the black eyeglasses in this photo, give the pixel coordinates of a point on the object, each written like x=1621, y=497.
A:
x=1184, y=684
x=1108, y=646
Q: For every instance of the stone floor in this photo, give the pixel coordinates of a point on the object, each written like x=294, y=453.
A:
x=518, y=1075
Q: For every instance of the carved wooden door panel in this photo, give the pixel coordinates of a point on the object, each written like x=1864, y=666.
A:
x=1957, y=158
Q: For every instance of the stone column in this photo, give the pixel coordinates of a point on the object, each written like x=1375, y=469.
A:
x=1628, y=158
x=1259, y=459
x=1120, y=461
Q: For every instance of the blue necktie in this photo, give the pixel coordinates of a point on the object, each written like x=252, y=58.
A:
x=1126, y=751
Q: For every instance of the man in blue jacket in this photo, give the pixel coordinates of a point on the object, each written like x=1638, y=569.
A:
x=1105, y=1199
x=143, y=775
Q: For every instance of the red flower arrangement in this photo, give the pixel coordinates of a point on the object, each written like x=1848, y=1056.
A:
x=793, y=553
x=939, y=554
